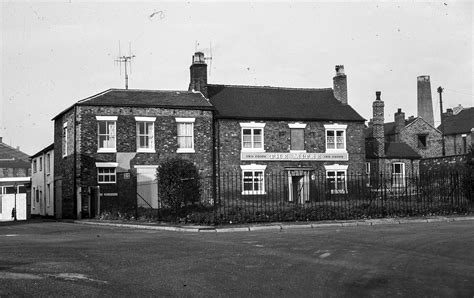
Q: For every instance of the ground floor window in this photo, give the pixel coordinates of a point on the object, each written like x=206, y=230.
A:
x=336, y=178
x=398, y=174
x=106, y=172
x=253, y=179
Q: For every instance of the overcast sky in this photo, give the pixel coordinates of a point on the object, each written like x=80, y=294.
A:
x=56, y=53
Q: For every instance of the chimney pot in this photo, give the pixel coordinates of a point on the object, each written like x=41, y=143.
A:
x=339, y=70
x=1, y=139
x=377, y=95
x=399, y=111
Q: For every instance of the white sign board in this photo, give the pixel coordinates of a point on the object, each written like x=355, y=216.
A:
x=290, y=156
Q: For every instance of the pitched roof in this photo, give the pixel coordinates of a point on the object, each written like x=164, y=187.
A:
x=146, y=98
x=393, y=150
x=388, y=127
x=463, y=122
x=49, y=148
x=400, y=150
x=256, y=102
x=13, y=158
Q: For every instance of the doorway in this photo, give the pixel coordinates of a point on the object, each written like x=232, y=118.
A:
x=298, y=182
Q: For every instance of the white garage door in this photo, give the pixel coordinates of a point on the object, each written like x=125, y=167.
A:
x=147, y=187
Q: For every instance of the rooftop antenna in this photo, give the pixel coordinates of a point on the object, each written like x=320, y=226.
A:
x=209, y=58
x=125, y=60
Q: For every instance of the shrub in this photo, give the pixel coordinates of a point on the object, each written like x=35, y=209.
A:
x=178, y=183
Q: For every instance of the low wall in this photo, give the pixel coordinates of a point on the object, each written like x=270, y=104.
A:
x=446, y=163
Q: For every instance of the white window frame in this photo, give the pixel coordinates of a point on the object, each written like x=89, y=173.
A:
x=35, y=165
x=40, y=163
x=254, y=168
x=337, y=168
x=145, y=120
x=64, y=139
x=101, y=165
x=335, y=128
x=185, y=121
x=114, y=133
x=48, y=163
x=297, y=125
x=398, y=177
x=252, y=126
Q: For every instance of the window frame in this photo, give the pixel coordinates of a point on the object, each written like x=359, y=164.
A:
x=297, y=126
x=189, y=121
x=107, y=119
x=419, y=143
x=335, y=128
x=48, y=164
x=253, y=168
x=252, y=126
x=336, y=169
x=64, y=139
x=106, y=165
x=146, y=121
x=35, y=165
x=40, y=163
x=395, y=178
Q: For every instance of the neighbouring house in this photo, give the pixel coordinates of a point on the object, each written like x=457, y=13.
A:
x=458, y=129
x=42, y=182
x=107, y=147
x=15, y=177
x=300, y=133
x=388, y=154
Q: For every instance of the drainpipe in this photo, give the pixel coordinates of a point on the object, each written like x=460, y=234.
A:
x=74, y=166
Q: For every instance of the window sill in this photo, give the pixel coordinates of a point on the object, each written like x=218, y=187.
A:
x=145, y=150
x=336, y=151
x=258, y=150
x=106, y=182
x=334, y=191
x=297, y=151
x=107, y=150
x=254, y=193
x=185, y=150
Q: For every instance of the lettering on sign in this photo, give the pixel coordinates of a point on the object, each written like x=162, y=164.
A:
x=287, y=156
x=109, y=194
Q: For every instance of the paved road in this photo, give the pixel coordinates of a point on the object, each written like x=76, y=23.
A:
x=63, y=259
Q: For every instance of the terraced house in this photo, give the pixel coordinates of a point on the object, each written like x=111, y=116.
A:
x=111, y=143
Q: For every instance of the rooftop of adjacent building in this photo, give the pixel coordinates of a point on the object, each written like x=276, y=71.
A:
x=42, y=151
x=393, y=150
x=459, y=123
x=145, y=98
x=279, y=103
x=12, y=157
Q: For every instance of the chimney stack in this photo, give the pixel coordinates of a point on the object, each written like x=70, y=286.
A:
x=378, y=129
x=399, y=124
x=425, y=103
x=449, y=112
x=340, y=84
x=1, y=139
x=198, y=70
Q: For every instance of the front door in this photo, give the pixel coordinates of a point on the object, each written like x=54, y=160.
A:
x=147, y=187
x=298, y=181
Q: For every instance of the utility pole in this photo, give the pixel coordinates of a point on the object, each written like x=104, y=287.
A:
x=440, y=91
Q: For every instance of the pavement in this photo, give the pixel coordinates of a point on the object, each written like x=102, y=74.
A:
x=278, y=226
x=63, y=259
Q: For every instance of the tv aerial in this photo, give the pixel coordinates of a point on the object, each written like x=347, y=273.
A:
x=125, y=60
x=208, y=58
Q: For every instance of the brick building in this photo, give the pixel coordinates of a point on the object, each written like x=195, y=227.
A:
x=458, y=130
x=298, y=132
x=108, y=146
x=15, y=177
x=389, y=150
x=42, y=182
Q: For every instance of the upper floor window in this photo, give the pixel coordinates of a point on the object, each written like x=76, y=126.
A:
x=464, y=142
x=252, y=137
x=253, y=179
x=40, y=164
x=106, y=172
x=34, y=165
x=297, y=137
x=335, y=137
x=48, y=163
x=185, y=135
x=106, y=133
x=145, y=134
x=65, y=139
x=422, y=141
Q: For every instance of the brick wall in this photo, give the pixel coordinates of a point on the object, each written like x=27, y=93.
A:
x=440, y=164
x=277, y=139
x=454, y=144
x=87, y=145
x=409, y=136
